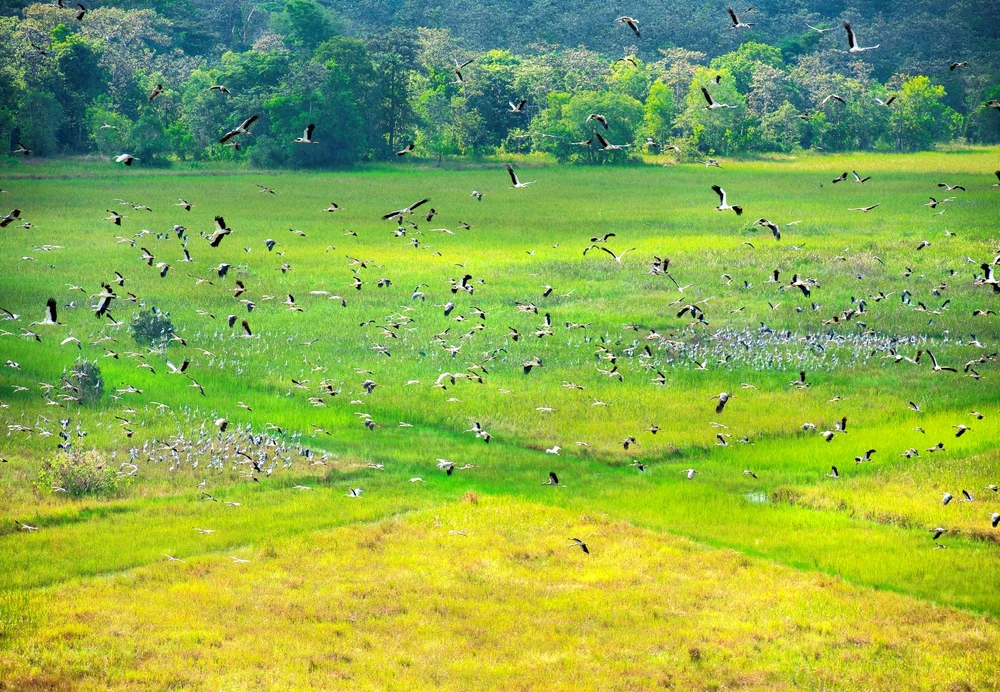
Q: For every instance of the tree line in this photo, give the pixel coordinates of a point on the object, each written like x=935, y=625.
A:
x=71, y=85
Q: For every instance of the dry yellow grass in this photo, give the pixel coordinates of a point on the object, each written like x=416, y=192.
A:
x=405, y=604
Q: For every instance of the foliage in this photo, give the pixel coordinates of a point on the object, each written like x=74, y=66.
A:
x=921, y=118
x=89, y=382
x=81, y=475
x=384, y=86
x=152, y=327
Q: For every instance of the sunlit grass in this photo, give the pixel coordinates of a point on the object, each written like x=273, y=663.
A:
x=407, y=604
x=868, y=528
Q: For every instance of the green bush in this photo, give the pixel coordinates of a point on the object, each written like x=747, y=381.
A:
x=87, y=378
x=152, y=328
x=81, y=474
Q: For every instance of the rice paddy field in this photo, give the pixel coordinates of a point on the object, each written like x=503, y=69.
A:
x=302, y=508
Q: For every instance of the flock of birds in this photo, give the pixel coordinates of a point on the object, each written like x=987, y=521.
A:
x=216, y=444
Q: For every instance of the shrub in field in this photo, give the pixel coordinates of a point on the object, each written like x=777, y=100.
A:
x=152, y=327
x=81, y=474
x=88, y=380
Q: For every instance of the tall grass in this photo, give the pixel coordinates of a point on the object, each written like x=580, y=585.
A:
x=868, y=528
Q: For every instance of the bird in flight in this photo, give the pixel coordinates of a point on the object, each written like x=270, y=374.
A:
x=736, y=23
x=516, y=182
x=399, y=213
x=553, y=479
x=631, y=23
x=712, y=103
x=306, y=137
x=577, y=543
x=242, y=129
x=723, y=204
x=852, y=42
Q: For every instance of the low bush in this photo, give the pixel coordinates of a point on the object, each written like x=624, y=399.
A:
x=82, y=474
x=152, y=328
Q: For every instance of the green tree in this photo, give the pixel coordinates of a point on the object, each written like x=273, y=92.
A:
x=659, y=112
x=305, y=24
x=565, y=117
x=745, y=61
x=722, y=131
x=920, y=118
x=393, y=57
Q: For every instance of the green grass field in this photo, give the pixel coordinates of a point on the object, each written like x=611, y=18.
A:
x=787, y=580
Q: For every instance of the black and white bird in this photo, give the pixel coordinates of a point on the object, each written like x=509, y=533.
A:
x=459, y=79
x=517, y=107
x=608, y=146
x=50, y=315
x=221, y=231
x=631, y=23
x=853, y=42
x=599, y=118
x=723, y=204
x=712, y=103
x=127, y=159
x=723, y=398
x=306, y=137
x=517, y=184
x=867, y=456
x=577, y=543
x=770, y=225
x=553, y=479
x=736, y=23
x=12, y=217
x=242, y=129
x=398, y=214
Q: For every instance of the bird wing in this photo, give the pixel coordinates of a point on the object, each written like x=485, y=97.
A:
x=309, y=131
x=600, y=138
x=513, y=175
x=417, y=204
x=721, y=193
x=732, y=15
x=50, y=307
x=850, y=35
x=708, y=96
x=249, y=121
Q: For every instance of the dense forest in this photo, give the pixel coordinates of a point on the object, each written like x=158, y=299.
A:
x=377, y=76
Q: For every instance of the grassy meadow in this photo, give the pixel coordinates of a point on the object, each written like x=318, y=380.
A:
x=781, y=578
